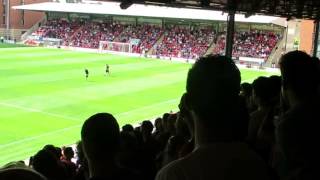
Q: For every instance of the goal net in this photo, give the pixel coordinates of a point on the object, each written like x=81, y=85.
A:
x=106, y=46
x=53, y=42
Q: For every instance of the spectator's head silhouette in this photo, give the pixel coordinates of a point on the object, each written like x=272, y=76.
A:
x=170, y=125
x=275, y=82
x=146, y=127
x=158, y=124
x=297, y=133
x=47, y=164
x=54, y=150
x=68, y=153
x=246, y=89
x=100, y=137
x=300, y=76
x=185, y=116
x=20, y=174
x=213, y=87
x=262, y=91
x=127, y=128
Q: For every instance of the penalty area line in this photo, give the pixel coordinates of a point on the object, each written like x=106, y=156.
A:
x=39, y=111
x=70, y=118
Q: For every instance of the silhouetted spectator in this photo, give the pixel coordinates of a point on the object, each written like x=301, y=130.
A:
x=54, y=150
x=158, y=128
x=136, y=157
x=298, y=130
x=213, y=87
x=46, y=163
x=165, y=134
x=170, y=125
x=14, y=164
x=20, y=174
x=185, y=118
x=82, y=164
x=127, y=128
x=71, y=167
x=246, y=94
x=150, y=145
x=100, y=136
x=261, y=127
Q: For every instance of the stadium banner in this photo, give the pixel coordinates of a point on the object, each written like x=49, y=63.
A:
x=249, y=59
x=35, y=37
x=134, y=41
x=52, y=39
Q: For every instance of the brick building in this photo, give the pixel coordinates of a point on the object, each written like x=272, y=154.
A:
x=13, y=23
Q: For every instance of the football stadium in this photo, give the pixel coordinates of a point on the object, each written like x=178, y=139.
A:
x=150, y=89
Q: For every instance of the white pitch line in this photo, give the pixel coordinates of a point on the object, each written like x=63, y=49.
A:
x=39, y=136
x=66, y=117
x=39, y=111
x=147, y=107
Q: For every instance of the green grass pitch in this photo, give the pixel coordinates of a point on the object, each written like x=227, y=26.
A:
x=7, y=45
x=45, y=98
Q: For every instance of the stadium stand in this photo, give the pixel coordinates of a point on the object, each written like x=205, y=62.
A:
x=58, y=28
x=253, y=44
x=148, y=152
x=177, y=41
x=185, y=43
x=92, y=33
x=147, y=34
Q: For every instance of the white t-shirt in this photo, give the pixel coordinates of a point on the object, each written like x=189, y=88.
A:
x=219, y=161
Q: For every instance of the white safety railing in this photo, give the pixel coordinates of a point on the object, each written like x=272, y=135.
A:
x=32, y=29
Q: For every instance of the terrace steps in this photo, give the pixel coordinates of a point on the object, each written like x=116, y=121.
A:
x=156, y=44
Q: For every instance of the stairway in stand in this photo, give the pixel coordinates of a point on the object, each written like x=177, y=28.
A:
x=156, y=44
x=69, y=39
x=210, y=49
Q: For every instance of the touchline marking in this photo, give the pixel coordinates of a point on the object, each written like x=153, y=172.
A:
x=147, y=107
x=39, y=111
x=39, y=136
x=29, y=150
x=66, y=117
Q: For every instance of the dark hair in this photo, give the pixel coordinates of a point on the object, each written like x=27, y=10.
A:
x=246, y=88
x=300, y=73
x=127, y=128
x=68, y=152
x=100, y=136
x=54, y=150
x=262, y=90
x=275, y=82
x=47, y=164
x=147, y=127
x=213, y=86
x=158, y=124
x=165, y=116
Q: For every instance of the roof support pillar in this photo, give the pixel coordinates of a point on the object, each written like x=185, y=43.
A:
x=230, y=34
x=8, y=35
x=316, y=37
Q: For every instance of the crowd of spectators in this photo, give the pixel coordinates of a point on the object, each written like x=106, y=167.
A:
x=147, y=35
x=224, y=130
x=92, y=33
x=255, y=44
x=59, y=28
x=178, y=41
x=182, y=42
